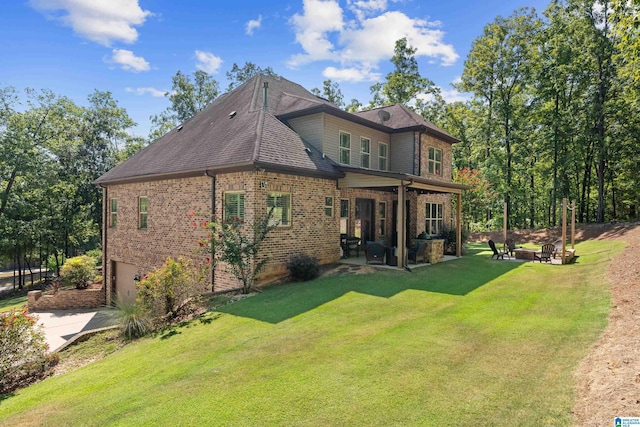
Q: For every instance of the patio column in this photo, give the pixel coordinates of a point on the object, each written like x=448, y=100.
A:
x=459, y=226
x=400, y=225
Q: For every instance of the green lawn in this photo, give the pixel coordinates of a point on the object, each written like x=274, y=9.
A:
x=467, y=342
x=12, y=302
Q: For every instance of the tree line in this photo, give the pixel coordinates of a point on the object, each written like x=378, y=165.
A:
x=553, y=113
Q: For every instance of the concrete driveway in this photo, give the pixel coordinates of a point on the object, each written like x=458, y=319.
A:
x=62, y=325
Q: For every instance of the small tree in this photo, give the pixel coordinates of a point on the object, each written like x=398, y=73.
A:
x=165, y=289
x=237, y=244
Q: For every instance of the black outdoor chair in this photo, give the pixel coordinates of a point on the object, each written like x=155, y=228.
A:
x=498, y=255
x=418, y=253
x=509, y=246
x=374, y=252
x=546, y=253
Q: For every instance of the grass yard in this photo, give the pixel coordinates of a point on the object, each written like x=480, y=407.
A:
x=16, y=302
x=467, y=342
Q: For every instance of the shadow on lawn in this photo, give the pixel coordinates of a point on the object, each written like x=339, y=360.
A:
x=458, y=277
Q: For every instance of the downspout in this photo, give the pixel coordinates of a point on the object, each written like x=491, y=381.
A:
x=213, y=215
x=105, y=227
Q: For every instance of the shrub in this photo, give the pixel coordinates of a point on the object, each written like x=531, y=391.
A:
x=24, y=357
x=303, y=267
x=78, y=271
x=96, y=254
x=133, y=320
x=165, y=289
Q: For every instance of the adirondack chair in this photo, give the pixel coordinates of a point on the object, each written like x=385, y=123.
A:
x=509, y=246
x=546, y=253
x=498, y=255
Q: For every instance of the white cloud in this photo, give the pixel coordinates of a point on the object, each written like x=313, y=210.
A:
x=354, y=75
x=208, y=62
x=146, y=90
x=253, y=25
x=452, y=95
x=360, y=44
x=128, y=61
x=319, y=18
x=102, y=21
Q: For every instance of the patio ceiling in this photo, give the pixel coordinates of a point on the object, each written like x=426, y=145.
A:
x=362, y=178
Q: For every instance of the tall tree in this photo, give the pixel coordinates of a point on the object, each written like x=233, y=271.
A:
x=331, y=92
x=238, y=75
x=188, y=96
x=404, y=84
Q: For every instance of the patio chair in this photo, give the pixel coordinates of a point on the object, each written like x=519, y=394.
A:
x=498, y=255
x=557, y=248
x=374, y=252
x=509, y=246
x=418, y=253
x=546, y=253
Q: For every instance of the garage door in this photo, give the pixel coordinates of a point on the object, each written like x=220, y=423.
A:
x=125, y=283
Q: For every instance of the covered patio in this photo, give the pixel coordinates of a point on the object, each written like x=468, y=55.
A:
x=401, y=184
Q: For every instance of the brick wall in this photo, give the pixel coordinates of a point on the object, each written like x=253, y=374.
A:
x=430, y=141
x=170, y=230
x=66, y=299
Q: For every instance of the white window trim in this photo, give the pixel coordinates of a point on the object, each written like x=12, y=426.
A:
x=140, y=213
x=428, y=218
x=113, y=212
x=386, y=158
x=278, y=219
x=365, y=153
x=382, y=219
x=224, y=205
x=328, y=206
x=341, y=148
x=434, y=161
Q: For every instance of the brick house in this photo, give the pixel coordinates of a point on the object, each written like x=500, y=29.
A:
x=271, y=143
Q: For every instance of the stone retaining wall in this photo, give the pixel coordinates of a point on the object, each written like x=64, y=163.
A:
x=66, y=299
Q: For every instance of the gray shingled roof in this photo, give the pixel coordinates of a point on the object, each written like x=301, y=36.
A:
x=213, y=140
x=401, y=117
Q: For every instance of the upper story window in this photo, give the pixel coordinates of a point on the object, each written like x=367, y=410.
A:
x=435, y=161
x=365, y=152
x=383, y=149
x=328, y=206
x=114, y=212
x=279, y=204
x=345, y=148
x=143, y=212
x=234, y=206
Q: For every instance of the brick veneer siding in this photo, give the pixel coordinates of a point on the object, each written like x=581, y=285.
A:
x=66, y=299
x=352, y=194
x=169, y=231
x=429, y=141
x=421, y=213
x=311, y=231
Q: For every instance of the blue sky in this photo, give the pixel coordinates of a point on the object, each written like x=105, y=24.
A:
x=133, y=47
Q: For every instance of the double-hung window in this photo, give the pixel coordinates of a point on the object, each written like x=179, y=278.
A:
x=434, y=218
x=234, y=207
x=365, y=152
x=344, y=216
x=345, y=148
x=114, y=212
x=279, y=204
x=382, y=156
x=382, y=218
x=328, y=206
x=435, y=161
x=143, y=212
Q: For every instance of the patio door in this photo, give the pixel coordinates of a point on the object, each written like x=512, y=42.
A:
x=365, y=222
x=394, y=218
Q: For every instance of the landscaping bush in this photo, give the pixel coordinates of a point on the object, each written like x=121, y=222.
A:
x=96, y=254
x=78, y=271
x=133, y=320
x=165, y=289
x=24, y=357
x=303, y=267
